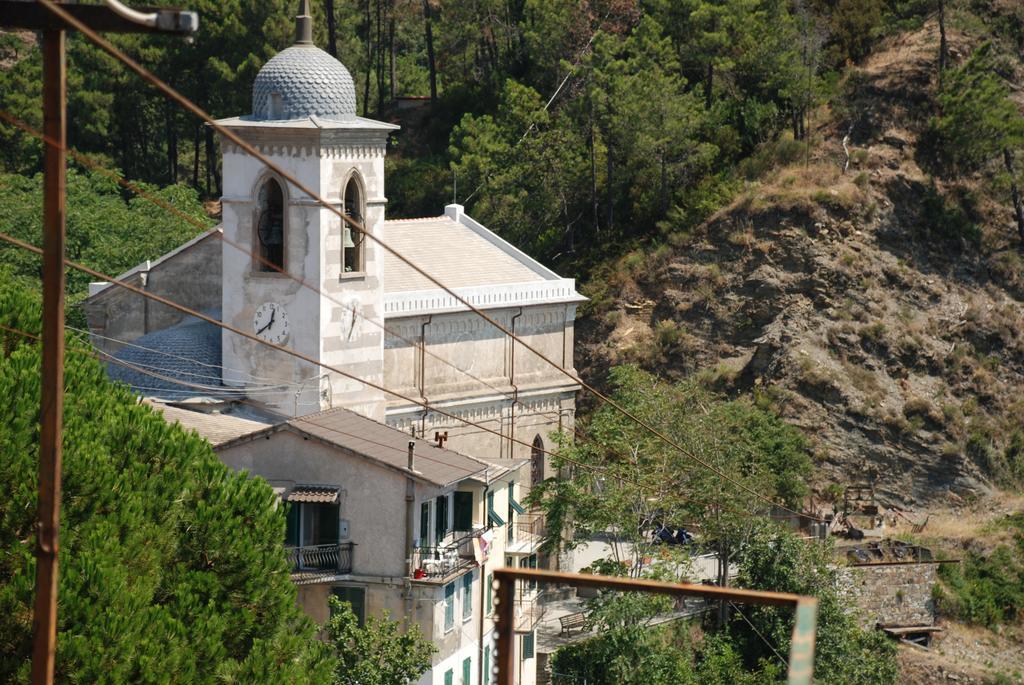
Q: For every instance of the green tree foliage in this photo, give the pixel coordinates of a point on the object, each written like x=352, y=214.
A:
x=845, y=654
x=977, y=119
x=171, y=565
x=383, y=652
x=986, y=589
x=640, y=481
x=104, y=230
x=977, y=123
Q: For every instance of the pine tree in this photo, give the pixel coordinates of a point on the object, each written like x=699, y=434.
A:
x=172, y=567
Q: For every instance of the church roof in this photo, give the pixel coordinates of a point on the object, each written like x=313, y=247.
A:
x=303, y=81
x=455, y=250
x=189, y=352
x=467, y=258
x=306, y=82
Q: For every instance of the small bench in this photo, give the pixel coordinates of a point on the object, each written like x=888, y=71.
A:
x=570, y=621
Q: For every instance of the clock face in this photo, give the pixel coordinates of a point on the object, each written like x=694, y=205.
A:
x=271, y=323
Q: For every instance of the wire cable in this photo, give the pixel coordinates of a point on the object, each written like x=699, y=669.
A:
x=230, y=135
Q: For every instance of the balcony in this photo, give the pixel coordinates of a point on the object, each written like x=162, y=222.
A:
x=529, y=532
x=529, y=608
x=437, y=563
x=311, y=562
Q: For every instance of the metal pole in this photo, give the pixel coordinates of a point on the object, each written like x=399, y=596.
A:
x=44, y=636
x=506, y=631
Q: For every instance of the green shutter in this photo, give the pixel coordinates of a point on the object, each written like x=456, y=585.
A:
x=441, y=520
x=490, y=592
x=291, y=531
x=528, y=645
x=467, y=670
x=467, y=595
x=487, y=665
x=356, y=597
x=463, y=511
x=424, y=523
x=492, y=515
x=449, y=677
x=449, y=606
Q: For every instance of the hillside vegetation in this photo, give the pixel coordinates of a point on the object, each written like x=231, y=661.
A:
x=879, y=308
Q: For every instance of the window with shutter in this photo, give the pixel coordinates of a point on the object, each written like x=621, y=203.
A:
x=463, y=511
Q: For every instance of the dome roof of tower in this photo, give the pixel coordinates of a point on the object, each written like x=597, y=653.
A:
x=300, y=82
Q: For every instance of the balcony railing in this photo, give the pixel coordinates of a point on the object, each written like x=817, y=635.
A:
x=529, y=531
x=336, y=558
x=435, y=563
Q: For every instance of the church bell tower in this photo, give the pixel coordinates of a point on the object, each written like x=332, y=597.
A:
x=293, y=275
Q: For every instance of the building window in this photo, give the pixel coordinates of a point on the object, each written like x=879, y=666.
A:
x=441, y=522
x=310, y=524
x=351, y=237
x=270, y=226
x=467, y=671
x=424, y=524
x=529, y=562
x=449, y=607
x=528, y=645
x=537, y=462
x=463, y=505
x=355, y=597
x=467, y=596
x=449, y=677
x=490, y=593
x=487, y=665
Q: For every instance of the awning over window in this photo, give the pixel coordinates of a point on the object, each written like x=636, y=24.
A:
x=516, y=506
x=323, y=494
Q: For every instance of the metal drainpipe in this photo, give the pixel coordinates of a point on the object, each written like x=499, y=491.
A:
x=144, y=282
x=410, y=499
x=515, y=388
x=423, y=374
x=483, y=600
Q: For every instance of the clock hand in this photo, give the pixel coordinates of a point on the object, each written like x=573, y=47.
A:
x=273, y=314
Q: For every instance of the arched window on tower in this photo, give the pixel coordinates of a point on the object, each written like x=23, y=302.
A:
x=537, y=461
x=270, y=226
x=352, y=238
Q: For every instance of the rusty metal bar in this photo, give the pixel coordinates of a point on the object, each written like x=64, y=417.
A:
x=505, y=628
x=33, y=16
x=801, y=653
x=44, y=629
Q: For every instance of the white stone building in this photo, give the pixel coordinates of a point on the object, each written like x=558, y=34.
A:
x=284, y=268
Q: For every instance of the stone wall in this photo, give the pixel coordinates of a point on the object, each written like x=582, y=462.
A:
x=897, y=595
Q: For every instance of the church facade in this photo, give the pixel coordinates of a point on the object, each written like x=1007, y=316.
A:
x=390, y=346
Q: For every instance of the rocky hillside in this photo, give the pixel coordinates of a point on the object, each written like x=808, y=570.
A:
x=878, y=309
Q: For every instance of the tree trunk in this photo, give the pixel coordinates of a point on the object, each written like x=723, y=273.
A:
x=1018, y=204
x=392, y=54
x=211, y=163
x=709, y=82
x=196, y=137
x=593, y=174
x=943, y=45
x=332, y=29
x=610, y=186
x=369, y=59
x=172, y=143
x=431, y=64
x=380, y=58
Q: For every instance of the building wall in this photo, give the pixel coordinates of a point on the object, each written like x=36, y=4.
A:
x=191, y=278
x=484, y=371
x=329, y=328
x=372, y=499
x=898, y=595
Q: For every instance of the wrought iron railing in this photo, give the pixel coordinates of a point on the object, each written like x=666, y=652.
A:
x=530, y=528
x=443, y=560
x=335, y=557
